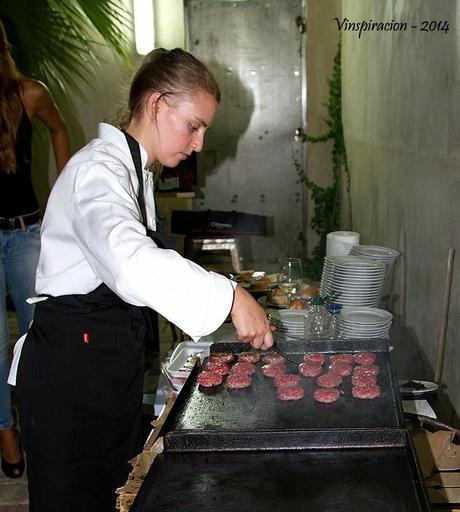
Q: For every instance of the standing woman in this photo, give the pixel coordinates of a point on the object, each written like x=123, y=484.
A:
x=80, y=374
x=21, y=99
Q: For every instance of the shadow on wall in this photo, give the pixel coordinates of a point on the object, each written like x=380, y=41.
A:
x=230, y=124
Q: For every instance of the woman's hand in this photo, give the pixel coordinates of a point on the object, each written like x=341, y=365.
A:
x=250, y=321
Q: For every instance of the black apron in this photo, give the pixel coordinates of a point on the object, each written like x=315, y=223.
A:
x=79, y=390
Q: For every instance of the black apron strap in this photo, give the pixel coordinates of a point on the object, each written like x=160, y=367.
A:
x=136, y=156
x=162, y=240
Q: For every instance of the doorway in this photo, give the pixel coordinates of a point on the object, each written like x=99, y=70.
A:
x=257, y=50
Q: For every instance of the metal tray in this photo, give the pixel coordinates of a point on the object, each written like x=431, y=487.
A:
x=224, y=419
x=348, y=480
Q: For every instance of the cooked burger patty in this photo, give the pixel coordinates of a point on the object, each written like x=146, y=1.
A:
x=364, y=358
x=273, y=369
x=290, y=393
x=220, y=368
x=273, y=358
x=249, y=357
x=343, y=369
x=326, y=396
x=366, y=392
x=364, y=380
x=329, y=380
x=341, y=358
x=368, y=369
x=310, y=369
x=221, y=357
x=246, y=368
x=209, y=379
x=315, y=358
x=238, y=381
x=286, y=379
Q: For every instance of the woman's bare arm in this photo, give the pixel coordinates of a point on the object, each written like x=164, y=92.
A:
x=40, y=103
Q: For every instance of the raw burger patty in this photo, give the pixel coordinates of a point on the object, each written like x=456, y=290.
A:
x=326, y=396
x=220, y=368
x=343, y=369
x=364, y=358
x=368, y=369
x=329, y=380
x=273, y=369
x=315, y=358
x=290, y=393
x=310, y=369
x=366, y=392
x=341, y=358
x=364, y=380
x=248, y=357
x=209, y=379
x=286, y=379
x=238, y=381
x=273, y=358
x=221, y=357
x=245, y=368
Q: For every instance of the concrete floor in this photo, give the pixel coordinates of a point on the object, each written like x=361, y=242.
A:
x=13, y=493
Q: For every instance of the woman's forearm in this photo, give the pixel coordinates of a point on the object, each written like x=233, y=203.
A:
x=61, y=146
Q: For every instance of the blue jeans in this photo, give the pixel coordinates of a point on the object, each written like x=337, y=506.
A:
x=19, y=252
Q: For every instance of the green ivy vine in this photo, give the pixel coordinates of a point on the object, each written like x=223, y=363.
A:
x=328, y=201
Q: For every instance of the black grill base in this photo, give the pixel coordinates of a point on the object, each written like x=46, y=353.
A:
x=346, y=480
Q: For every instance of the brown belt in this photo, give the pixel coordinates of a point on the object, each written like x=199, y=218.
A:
x=19, y=222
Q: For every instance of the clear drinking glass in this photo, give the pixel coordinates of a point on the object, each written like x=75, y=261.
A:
x=290, y=276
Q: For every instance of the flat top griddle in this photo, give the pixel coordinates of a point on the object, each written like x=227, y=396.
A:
x=222, y=411
x=351, y=480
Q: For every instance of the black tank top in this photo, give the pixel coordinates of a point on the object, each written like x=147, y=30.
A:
x=17, y=196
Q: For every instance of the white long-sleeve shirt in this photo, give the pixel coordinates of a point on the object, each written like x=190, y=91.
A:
x=92, y=233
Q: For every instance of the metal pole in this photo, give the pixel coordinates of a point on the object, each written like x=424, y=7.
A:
x=402, y=262
x=444, y=317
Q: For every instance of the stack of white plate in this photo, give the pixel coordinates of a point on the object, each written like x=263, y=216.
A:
x=359, y=280
x=288, y=322
x=364, y=323
x=377, y=253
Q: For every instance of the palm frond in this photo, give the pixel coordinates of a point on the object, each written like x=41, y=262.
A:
x=112, y=21
x=54, y=40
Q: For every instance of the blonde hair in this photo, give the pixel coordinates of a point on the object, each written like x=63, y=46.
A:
x=10, y=105
x=172, y=73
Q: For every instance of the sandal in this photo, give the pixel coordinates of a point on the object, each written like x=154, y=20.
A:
x=14, y=469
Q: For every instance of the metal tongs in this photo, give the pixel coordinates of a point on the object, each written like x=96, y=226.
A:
x=276, y=351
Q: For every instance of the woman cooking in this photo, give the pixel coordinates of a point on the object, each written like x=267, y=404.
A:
x=80, y=374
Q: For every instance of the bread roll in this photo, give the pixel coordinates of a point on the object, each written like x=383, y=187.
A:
x=246, y=275
x=308, y=291
x=277, y=297
x=297, y=304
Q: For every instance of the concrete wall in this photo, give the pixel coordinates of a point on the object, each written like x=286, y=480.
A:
x=401, y=110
